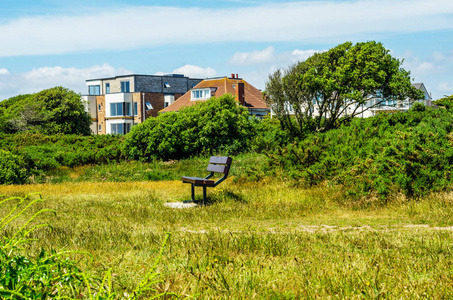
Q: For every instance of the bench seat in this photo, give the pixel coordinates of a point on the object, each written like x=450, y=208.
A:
x=198, y=181
x=217, y=164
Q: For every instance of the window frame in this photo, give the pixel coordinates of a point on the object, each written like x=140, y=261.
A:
x=125, y=86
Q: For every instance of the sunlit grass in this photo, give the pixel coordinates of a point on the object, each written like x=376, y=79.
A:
x=267, y=239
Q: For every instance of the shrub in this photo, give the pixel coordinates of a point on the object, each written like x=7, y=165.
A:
x=409, y=153
x=12, y=168
x=218, y=125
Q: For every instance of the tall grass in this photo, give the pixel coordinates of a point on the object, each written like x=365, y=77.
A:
x=276, y=240
x=26, y=273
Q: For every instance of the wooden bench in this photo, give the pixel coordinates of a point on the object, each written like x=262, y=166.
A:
x=217, y=164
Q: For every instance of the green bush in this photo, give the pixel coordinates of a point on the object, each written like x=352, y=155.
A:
x=52, y=111
x=12, y=168
x=407, y=153
x=218, y=125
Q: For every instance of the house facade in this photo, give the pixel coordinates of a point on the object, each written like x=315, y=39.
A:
x=390, y=106
x=246, y=94
x=118, y=103
x=377, y=104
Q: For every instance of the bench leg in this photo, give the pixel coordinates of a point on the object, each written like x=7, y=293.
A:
x=204, y=195
x=193, y=193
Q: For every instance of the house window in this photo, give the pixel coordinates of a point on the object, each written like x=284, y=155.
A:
x=148, y=105
x=166, y=85
x=94, y=90
x=99, y=127
x=166, y=104
x=125, y=87
x=120, y=128
x=116, y=109
x=135, y=109
x=201, y=94
x=107, y=88
x=120, y=109
x=99, y=107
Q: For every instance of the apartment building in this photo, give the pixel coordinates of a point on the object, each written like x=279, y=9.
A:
x=118, y=103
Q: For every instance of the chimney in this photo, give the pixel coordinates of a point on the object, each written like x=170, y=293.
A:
x=237, y=76
x=240, y=93
x=232, y=75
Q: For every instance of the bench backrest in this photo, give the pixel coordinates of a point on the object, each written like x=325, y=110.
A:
x=220, y=164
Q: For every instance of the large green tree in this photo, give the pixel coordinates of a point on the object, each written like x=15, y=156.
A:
x=51, y=111
x=332, y=87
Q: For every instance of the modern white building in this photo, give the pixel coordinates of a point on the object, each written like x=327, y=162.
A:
x=118, y=103
x=377, y=104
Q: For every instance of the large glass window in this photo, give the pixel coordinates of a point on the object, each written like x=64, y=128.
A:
x=125, y=87
x=201, y=94
x=94, y=90
x=120, y=128
x=122, y=109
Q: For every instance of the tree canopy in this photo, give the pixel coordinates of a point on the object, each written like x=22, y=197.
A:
x=51, y=111
x=330, y=88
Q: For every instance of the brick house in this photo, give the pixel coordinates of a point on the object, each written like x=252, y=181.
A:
x=246, y=94
x=118, y=103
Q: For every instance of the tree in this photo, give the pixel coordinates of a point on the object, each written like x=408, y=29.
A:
x=331, y=87
x=51, y=111
x=446, y=102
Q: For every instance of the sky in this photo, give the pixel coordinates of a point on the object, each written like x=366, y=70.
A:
x=47, y=43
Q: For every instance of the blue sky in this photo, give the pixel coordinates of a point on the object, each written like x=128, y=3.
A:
x=45, y=43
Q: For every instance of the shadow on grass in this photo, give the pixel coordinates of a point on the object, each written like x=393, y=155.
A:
x=222, y=196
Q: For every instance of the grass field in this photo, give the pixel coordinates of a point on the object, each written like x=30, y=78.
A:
x=256, y=240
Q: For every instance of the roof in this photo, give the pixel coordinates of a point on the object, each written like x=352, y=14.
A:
x=136, y=75
x=224, y=85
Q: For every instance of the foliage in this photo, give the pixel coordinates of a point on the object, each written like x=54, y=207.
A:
x=217, y=125
x=38, y=153
x=409, y=153
x=446, y=102
x=332, y=87
x=54, y=274
x=12, y=168
x=269, y=136
x=53, y=111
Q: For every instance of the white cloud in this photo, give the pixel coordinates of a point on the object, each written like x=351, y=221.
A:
x=301, y=55
x=195, y=71
x=4, y=71
x=148, y=26
x=256, y=57
x=269, y=57
x=46, y=77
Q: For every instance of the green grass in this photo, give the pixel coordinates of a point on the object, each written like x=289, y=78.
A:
x=260, y=240
x=247, y=166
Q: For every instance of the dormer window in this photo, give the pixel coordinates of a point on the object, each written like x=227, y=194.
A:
x=201, y=94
